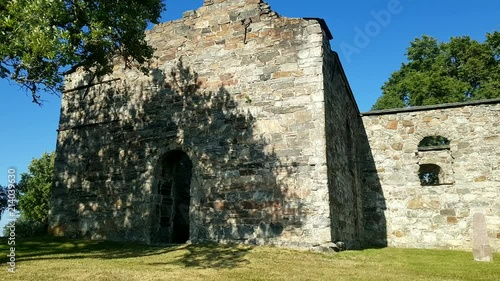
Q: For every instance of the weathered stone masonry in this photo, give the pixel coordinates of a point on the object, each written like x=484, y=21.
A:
x=245, y=130
x=410, y=214
x=239, y=92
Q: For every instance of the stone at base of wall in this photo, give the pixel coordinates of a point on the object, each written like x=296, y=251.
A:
x=326, y=247
x=330, y=247
x=483, y=253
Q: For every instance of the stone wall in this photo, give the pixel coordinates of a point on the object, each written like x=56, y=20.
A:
x=245, y=130
x=412, y=214
x=343, y=145
x=240, y=92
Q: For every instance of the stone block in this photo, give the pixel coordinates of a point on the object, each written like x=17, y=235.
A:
x=392, y=125
x=481, y=249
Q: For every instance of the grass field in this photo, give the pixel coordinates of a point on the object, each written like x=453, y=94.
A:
x=54, y=259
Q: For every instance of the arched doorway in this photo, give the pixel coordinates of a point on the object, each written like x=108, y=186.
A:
x=171, y=216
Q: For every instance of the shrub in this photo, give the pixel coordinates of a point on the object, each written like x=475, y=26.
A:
x=26, y=228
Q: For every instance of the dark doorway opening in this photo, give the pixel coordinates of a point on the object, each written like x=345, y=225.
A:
x=171, y=216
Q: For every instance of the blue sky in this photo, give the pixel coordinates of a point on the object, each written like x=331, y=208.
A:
x=29, y=130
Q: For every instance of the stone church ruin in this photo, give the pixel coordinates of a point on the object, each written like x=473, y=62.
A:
x=246, y=131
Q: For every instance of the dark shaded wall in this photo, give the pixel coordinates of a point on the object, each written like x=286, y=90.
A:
x=374, y=224
x=344, y=143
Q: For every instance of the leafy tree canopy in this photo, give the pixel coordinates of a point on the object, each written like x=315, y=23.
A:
x=433, y=141
x=3, y=199
x=456, y=71
x=6, y=201
x=34, y=188
x=43, y=40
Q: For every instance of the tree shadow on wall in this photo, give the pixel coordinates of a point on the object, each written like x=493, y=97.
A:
x=239, y=189
x=112, y=139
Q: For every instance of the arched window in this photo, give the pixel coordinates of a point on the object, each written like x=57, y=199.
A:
x=433, y=143
x=429, y=174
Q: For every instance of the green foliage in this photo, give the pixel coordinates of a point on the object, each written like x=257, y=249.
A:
x=26, y=228
x=429, y=179
x=456, y=71
x=3, y=199
x=42, y=40
x=433, y=141
x=5, y=203
x=34, y=188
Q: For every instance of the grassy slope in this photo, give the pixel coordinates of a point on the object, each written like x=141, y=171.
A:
x=50, y=259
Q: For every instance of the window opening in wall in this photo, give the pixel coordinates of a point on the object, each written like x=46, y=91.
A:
x=429, y=174
x=434, y=143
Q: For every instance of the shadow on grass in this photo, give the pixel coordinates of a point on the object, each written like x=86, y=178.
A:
x=211, y=256
x=195, y=255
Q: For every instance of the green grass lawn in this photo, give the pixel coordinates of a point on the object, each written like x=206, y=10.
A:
x=63, y=259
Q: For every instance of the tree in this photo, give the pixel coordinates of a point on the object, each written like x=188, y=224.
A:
x=456, y=71
x=34, y=188
x=41, y=41
x=3, y=200
x=8, y=201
